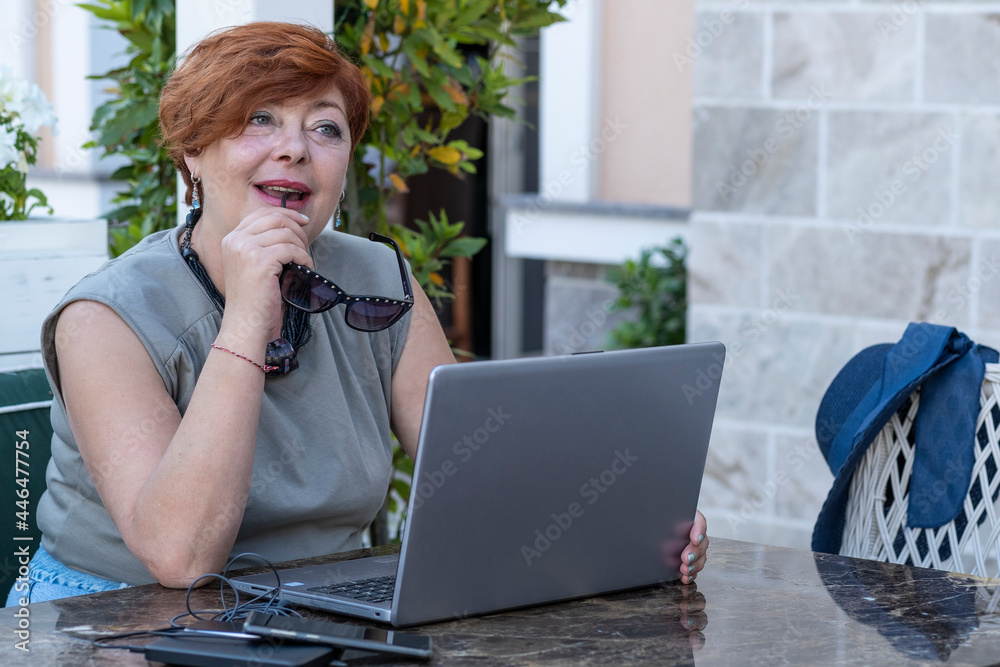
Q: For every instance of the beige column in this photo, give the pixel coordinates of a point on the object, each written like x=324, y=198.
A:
x=645, y=133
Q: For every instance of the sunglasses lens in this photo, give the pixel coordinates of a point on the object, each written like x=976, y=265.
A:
x=306, y=292
x=309, y=292
x=371, y=316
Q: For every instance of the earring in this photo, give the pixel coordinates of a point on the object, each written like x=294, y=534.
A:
x=195, y=201
x=337, y=222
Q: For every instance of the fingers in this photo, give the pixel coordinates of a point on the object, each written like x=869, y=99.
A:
x=269, y=218
x=253, y=255
x=288, y=217
x=261, y=246
x=699, y=528
x=695, y=554
x=269, y=237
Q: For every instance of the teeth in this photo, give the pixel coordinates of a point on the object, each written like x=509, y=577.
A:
x=281, y=189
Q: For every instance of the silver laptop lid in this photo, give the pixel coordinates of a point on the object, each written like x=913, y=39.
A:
x=552, y=478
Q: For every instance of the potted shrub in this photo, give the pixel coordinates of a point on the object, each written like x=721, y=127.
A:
x=40, y=256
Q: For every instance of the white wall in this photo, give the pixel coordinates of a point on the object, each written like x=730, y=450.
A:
x=197, y=18
x=569, y=103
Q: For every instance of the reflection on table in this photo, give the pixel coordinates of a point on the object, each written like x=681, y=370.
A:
x=755, y=605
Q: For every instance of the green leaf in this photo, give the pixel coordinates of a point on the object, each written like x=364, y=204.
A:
x=123, y=173
x=401, y=487
x=473, y=12
x=379, y=67
x=443, y=51
x=411, y=46
x=452, y=119
x=424, y=135
x=482, y=34
x=123, y=212
x=530, y=22
x=115, y=12
x=139, y=7
x=467, y=246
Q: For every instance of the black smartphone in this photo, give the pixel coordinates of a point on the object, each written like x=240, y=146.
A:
x=200, y=651
x=342, y=635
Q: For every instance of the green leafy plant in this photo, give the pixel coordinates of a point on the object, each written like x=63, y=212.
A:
x=431, y=64
x=127, y=125
x=430, y=247
x=656, y=286
x=23, y=112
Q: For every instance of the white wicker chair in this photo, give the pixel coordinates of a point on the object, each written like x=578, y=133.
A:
x=877, y=502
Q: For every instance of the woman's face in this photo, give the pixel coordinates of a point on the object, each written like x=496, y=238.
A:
x=300, y=148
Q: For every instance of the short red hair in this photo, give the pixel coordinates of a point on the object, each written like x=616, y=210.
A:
x=233, y=72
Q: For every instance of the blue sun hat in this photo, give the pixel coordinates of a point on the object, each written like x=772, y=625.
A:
x=949, y=368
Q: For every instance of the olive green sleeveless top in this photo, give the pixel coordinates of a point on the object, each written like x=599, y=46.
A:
x=323, y=457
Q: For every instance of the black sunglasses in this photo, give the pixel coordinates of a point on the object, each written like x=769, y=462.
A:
x=306, y=290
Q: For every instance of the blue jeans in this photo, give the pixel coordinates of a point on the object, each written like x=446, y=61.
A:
x=50, y=580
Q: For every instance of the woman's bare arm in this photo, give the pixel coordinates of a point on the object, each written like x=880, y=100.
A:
x=176, y=488
x=425, y=348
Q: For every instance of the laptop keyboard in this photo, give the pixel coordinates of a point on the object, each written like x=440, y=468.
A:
x=376, y=589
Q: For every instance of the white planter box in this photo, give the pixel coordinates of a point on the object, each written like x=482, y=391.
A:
x=40, y=259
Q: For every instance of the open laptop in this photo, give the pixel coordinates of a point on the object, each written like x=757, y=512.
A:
x=537, y=480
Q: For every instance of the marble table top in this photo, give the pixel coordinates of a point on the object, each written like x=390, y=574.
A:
x=753, y=605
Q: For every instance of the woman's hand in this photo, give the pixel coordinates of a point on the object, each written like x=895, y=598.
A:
x=252, y=258
x=695, y=554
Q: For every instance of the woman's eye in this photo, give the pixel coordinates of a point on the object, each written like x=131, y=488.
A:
x=260, y=118
x=330, y=130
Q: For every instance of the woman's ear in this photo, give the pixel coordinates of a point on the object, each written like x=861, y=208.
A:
x=193, y=163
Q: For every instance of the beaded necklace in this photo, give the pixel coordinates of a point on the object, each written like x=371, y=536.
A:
x=296, y=329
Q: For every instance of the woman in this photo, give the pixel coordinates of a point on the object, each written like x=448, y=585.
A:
x=183, y=431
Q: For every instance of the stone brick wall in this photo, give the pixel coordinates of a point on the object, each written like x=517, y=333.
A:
x=846, y=172
x=579, y=313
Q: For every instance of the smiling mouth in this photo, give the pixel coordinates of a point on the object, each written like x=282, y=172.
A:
x=279, y=192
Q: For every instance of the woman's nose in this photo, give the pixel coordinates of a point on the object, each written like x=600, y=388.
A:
x=291, y=146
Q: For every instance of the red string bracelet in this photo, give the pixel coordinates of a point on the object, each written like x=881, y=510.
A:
x=264, y=368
